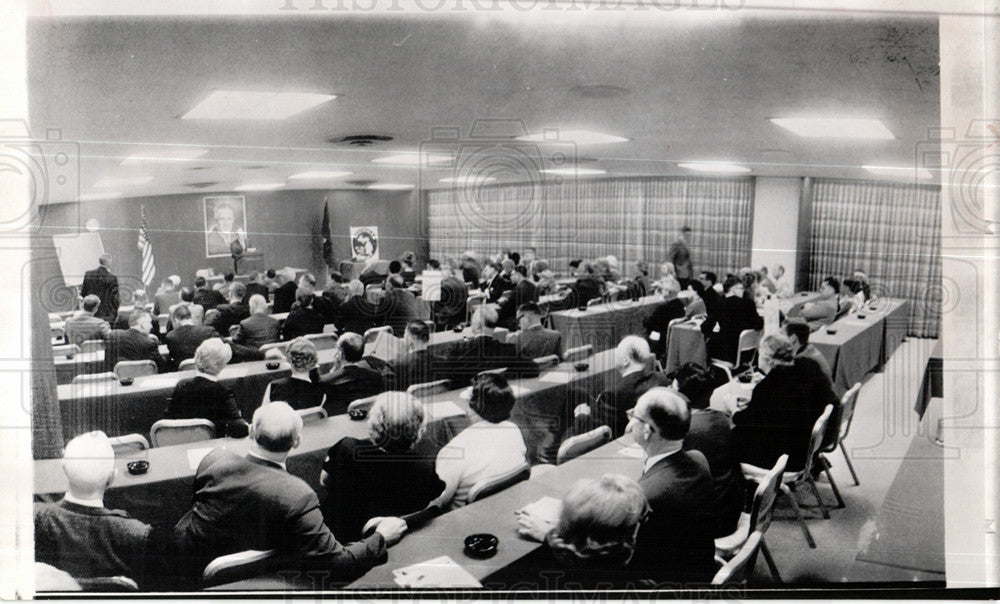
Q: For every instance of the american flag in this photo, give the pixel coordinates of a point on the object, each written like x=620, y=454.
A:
x=146, y=247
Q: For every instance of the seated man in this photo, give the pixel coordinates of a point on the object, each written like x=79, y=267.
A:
x=186, y=336
x=533, y=340
x=418, y=364
x=78, y=534
x=470, y=356
x=202, y=396
x=228, y=315
x=134, y=343
x=252, y=502
x=522, y=292
x=401, y=306
x=820, y=312
x=797, y=331
x=351, y=376
x=303, y=319
x=197, y=312
x=166, y=297
x=205, y=296
x=656, y=323
x=83, y=325
x=259, y=328
x=255, y=287
x=733, y=314
x=284, y=294
x=676, y=542
x=124, y=312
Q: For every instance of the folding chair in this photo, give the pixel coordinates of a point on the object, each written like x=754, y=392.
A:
x=428, y=388
x=312, y=414
x=135, y=369
x=166, y=432
x=739, y=568
x=233, y=567
x=757, y=520
x=361, y=404
x=748, y=341
x=492, y=486
x=578, y=354
x=92, y=346
x=546, y=362
x=575, y=446
x=847, y=406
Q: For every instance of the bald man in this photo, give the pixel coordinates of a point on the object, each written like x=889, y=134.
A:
x=78, y=534
x=252, y=502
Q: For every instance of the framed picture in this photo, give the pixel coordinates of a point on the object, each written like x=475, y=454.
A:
x=225, y=222
x=364, y=243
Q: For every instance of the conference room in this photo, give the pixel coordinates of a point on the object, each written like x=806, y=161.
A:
x=691, y=196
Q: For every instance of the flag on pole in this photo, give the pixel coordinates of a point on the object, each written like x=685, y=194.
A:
x=146, y=247
x=326, y=235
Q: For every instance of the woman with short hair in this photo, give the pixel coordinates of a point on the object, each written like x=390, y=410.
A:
x=302, y=389
x=202, y=396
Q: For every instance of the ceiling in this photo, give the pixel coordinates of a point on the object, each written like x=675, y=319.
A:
x=696, y=87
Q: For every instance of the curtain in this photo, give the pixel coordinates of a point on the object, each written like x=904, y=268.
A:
x=890, y=231
x=632, y=219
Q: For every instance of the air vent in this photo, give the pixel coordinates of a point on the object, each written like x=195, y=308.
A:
x=202, y=185
x=361, y=182
x=600, y=91
x=360, y=140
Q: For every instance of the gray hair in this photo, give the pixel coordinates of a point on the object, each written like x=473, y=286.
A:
x=302, y=355
x=634, y=349
x=212, y=355
x=777, y=348
x=602, y=515
x=396, y=421
x=276, y=427
x=258, y=304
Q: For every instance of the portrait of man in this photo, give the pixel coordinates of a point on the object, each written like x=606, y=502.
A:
x=225, y=222
x=364, y=243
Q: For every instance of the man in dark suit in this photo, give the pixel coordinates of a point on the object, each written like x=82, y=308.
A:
x=401, y=306
x=252, y=502
x=522, y=292
x=284, y=295
x=657, y=322
x=303, y=319
x=225, y=316
x=708, y=292
x=205, y=296
x=134, y=343
x=139, y=300
x=259, y=328
x=254, y=288
x=533, y=340
x=417, y=365
x=185, y=338
x=470, y=356
x=675, y=544
x=450, y=309
x=733, y=315
x=494, y=284
x=101, y=283
x=352, y=377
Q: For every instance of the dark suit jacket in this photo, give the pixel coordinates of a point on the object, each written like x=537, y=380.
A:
x=208, y=298
x=199, y=397
x=496, y=288
x=358, y=315
x=733, y=315
x=622, y=396
x=450, y=310
x=781, y=413
x=469, y=356
x=350, y=383
x=711, y=433
x=675, y=544
x=101, y=283
x=227, y=316
x=470, y=273
x=284, y=297
x=536, y=342
x=254, y=289
x=130, y=345
x=184, y=341
x=243, y=503
x=366, y=481
x=661, y=316
x=415, y=367
x=522, y=293
x=299, y=394
x=401, y=307
x=257, y=330
x=712, y=300
x=301, y=321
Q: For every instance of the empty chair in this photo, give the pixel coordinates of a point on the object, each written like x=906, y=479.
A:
x=322, y=341
x=758, y=520
x=168, y=432
x=94, y=378
x=492, y=486
x=232, y=567
x=428, y=388
x=739, y=568
x=362, y=404
x=66, y=350
x=576, y=446
x=847, y=406
x=579, y=353
x=134, y=369
x=130, y=443
x=546, y=362
x=749, y=338
x=120, y=583
x=312, y=414
x=92, y=346
x=281, y=346
x=186, y=365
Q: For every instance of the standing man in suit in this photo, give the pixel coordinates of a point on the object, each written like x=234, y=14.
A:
x=533, y=340
x=676, y=542
x=680, y=256
x=134, y=343
x=252, y=502
x=101, y=283
x=186, y=336
x=259, y=328
x=351, y=377
x=83, y=325
x=229, y=315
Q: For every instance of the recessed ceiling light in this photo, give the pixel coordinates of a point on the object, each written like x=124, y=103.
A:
x=899, y=171
x=580, y=137
x=318, y=175
x=390, y=186
x=254, y=105
x=575, y=171
x=98, y=196
x=468, y=179
x=260, y=186
x=833, y=127
x=717, y=167
x=414, y=158
x=132, y=181
x=163, y=155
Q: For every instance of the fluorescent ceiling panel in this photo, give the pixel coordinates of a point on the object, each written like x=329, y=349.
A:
x=468, y=179
x=99, y=196
x=390, y=186
x=715, y=167
x=260, y=186
x=254, y=105
x=575, y=171
x=580, y=137
x=165, y=154
x=899, y=171
x=413, y=159
x=835, y=127
x=318, y=175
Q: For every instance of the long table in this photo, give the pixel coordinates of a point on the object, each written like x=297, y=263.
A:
x=603, y=325
x=85, y=363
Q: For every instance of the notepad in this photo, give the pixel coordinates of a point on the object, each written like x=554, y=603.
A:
x=196, y=455
x=556, y=377
x=438, y=572
x=546, y=508
x=442, y=410
x=633, y=451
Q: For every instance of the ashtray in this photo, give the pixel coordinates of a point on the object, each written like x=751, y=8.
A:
x=862, y=316
x=581, y=366
x=481, y=545
x=831, y=331
x=745, y=377
x=272, y=365
x=582, y=308
x=458, y=329
x=126, y=381
x=358, y=414
x=742, y=402
x=137, y=467
x=871, y=307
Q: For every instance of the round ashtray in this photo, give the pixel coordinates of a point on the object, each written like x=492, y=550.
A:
x=581, y=366
x=745, y=378
x=126, y=381
x=582, y=308
x=458, y=329
x=137, y=467
x=272, y=365
x=831, y=331
x=481, y=545
x=358, y=414
x=862, y=316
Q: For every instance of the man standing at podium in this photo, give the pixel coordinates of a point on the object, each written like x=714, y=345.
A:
x=101, y=283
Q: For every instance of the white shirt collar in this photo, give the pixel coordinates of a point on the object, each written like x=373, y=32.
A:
x=651, y=461
x=90, y=503
x=301, y=376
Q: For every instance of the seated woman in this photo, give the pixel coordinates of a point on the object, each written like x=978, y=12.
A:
x=302, y=389
x=783, y=407
x=484, y=450
x=202, y=396
x=381, y=475
x=593, y=539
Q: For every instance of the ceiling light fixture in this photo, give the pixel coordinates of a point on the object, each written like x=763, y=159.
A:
x=899, y=171
x=99, y=196
x=390, y=186
x=254, y=105
x=715, y=167
x=260, y=186
x=575, y=171
x=163, y=155
x=318, y=175
x=834, y=127
x=464, y=180
x=414, y=158
x=580, y=137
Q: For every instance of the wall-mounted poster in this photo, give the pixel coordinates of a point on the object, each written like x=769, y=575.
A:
x=225, y=222
x=364, y=242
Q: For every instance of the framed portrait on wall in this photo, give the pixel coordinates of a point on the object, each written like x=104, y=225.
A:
x=364, y=243
x=225, y=222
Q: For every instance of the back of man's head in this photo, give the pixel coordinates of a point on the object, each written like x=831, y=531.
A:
x=137, y=316
x=105, y=260
x=258, y=304
x=254, y=277
x=530, y=310
x=710, y=277
x=799, y=329
x=395, y=267
x=89, y=464
x=187, y=294
x=668, y=411
x=696, y=383
x=237, y=291
x=352, y=347
x=181, y=313
x=634, y=349
x=199, y=282
x=276, y=427
x=91, y=303
x=395, y=282
x=418, y=331
x=433, y=264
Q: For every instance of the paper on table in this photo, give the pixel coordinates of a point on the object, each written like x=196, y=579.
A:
x=442, y=410
x=439, y=572
x=162, y=381
x=196, y=455
x=546, y=508
x=633, y=451
x=556, y=377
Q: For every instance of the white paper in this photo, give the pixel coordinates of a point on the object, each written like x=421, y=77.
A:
x=654, y=336
x=633, y=451
x=196, y=455
x=556, y=377
x=439, y=572
x=546, y=508
x=442, y=410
